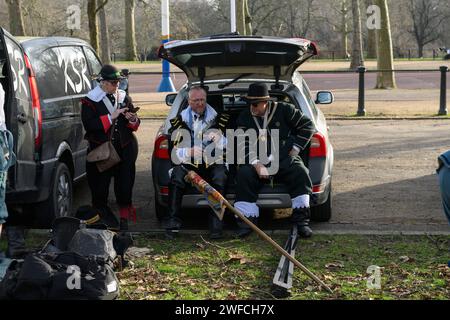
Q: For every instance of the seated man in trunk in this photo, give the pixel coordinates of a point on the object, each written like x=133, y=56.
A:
x=190, y=136
x=270, y=120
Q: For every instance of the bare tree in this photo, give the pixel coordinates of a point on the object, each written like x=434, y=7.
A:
x=371, y=38
x=427, y=16
x=344, y=29
x=298, y=26
x=260, y=11
x=104, y=37
x=16, y=26
x=130, y=31
x=385, y=60
x=240, y=17
x=357, y=50
x=371, y=44
x=92, y=10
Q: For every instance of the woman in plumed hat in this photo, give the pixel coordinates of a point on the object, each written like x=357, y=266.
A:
x=107, y=114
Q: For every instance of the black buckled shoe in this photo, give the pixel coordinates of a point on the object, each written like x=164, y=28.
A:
x=215, y=227
x=301, y=217
x=244, y=229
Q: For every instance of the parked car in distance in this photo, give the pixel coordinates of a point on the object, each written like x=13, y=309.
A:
x=226, y=65
x=45, y=78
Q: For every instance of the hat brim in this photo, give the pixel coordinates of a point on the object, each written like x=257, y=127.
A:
x=100, y=78
x=257, y=99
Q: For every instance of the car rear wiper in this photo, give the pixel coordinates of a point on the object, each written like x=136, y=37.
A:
x=222, y=86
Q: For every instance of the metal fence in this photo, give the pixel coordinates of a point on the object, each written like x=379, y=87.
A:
x=361, y=71
x=399, y=53
x=443, y=70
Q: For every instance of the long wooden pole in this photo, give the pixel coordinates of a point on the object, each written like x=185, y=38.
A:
x=263, y=235
x=205, y=188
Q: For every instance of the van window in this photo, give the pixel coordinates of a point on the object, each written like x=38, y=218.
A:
x=18, y=70
x=93, y=61
x=75, y=69
x=48, y=73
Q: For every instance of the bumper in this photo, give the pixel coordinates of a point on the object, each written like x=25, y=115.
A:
x=35, y=194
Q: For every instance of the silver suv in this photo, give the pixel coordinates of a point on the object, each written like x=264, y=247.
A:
x=225, y=66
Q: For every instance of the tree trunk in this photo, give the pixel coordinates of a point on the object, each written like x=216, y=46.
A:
x=104, y=36
x=344, y=30
x=130, y=32
x=357, y=50
x=240, y=17
x=420, y=49
x=93, y=26
x=16, y=26
x=385, y=80
x=248, y=19
x=371, y=44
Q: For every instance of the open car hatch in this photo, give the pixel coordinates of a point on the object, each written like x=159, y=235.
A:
x=219, y=58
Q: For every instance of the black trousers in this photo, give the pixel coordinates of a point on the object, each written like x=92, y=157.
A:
x=292, y=172
x=124, y=174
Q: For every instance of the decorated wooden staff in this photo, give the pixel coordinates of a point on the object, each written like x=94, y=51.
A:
x=218, y=203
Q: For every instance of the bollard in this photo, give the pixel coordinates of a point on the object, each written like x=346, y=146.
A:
x=361, y=94
x=443, y=99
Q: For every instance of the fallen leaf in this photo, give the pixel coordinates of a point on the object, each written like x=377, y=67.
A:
x=237, y=257
x=138, y=252
x=200, y=245
x=406, y=259
x=231, y=296
x=336, y=264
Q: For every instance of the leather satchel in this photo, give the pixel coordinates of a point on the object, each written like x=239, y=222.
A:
x=105, y=156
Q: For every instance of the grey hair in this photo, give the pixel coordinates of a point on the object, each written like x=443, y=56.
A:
x=196, y=88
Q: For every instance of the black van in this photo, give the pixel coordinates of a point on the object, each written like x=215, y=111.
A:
x=43, y=86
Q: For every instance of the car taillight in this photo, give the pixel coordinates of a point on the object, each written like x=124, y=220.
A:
x=318, y=188
x=162, y=148
x=36, y=104
x=318, y=146
x=164, y=191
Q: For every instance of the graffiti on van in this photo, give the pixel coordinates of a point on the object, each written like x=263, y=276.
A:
x=75, y=69
x=17, y=69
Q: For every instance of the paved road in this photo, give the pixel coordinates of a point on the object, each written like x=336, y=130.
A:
x=426, y=80
x=383, y=180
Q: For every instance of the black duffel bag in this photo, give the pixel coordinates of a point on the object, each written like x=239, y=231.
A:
x=60, y=276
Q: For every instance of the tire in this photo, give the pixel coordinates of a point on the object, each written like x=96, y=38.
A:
x=59, y=202
x=160, y=210
x=322, y=213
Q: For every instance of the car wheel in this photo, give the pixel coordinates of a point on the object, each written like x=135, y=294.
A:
x=160, y=210
x=322, y=213
x=59, y=203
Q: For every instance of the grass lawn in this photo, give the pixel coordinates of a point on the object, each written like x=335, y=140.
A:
x=412, y=267
x=190, y=267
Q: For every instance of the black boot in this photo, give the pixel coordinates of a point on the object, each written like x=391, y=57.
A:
x=173, y=220
x=244, y=229
x=16, y=242
x=301, y=217
x=215, y=226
